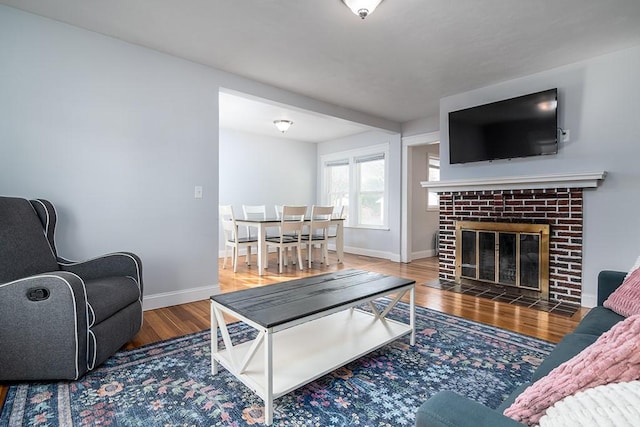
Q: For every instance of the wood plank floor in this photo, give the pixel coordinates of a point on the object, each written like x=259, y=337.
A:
x=170, y=322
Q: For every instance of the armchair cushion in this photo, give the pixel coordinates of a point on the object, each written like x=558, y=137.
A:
x=25, y=250
x=109, y=295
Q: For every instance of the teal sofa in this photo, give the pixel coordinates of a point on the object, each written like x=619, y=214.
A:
x=448, y=409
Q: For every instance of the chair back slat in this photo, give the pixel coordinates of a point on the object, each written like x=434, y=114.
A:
x=254, y=212
x=292, y=219
x=320, y=221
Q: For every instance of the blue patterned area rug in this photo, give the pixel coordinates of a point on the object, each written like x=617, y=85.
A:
x=170, y=383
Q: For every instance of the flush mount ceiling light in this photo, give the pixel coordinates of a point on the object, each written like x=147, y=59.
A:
x=283, y=125
x=362, y=8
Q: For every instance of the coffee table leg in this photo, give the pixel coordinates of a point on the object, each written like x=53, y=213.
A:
x=214, y=341
x=268, y=372
x=412, y=314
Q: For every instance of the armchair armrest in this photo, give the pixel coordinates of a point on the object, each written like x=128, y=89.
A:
x=114, y=264
x=448, y=409
x=608, y=281
x=43, y=327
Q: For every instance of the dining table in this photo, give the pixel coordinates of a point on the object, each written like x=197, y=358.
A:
x=263, y=224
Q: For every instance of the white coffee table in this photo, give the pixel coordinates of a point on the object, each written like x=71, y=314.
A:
x=306, y=328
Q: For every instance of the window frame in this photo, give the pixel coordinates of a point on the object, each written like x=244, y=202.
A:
x=351, y=157
x=432, y=207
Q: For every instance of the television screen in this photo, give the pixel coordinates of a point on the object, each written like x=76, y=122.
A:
x=517, y=127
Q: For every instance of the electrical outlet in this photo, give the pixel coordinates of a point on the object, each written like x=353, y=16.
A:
x=198, y=192
x=566, y=136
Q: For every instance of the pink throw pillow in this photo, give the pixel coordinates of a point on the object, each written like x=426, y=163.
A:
x=613, y=358
x=626, y=299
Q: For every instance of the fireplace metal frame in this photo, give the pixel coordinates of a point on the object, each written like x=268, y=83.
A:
x=542, y=230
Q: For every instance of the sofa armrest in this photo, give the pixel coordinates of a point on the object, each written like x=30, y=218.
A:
x=43, y=327
x=448, y=409
x=114, y=264
x=608, y=281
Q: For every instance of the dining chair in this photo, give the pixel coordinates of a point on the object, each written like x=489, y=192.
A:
x=254, y=212
x=291, y=223
x=318, y=232
x=278, y=209
x=232, y=238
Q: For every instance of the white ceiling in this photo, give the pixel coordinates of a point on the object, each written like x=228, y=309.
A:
x=396, y=64
x=249, y=114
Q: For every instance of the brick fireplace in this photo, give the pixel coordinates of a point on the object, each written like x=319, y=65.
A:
x=560, y=208
x=555, y=200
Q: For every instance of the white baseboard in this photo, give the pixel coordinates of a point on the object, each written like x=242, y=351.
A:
x=423, y=254
x=372, y=253
x=183, y=296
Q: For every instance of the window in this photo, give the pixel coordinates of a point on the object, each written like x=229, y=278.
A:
x=337, y=184
x=357, y=180
x=370, y=189
x=433, y=174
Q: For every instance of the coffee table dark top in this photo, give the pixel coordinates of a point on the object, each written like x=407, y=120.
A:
x=284, y=302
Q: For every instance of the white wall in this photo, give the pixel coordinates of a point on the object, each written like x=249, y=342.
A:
x=261, y=170
x=424, y=223
x=370, y=242
x=117, y=136
x=599, y=101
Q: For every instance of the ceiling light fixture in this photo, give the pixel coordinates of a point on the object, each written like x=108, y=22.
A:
x=362, y=8
x=283, y=125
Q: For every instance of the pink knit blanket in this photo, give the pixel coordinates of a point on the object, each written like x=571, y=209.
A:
x=613, y=358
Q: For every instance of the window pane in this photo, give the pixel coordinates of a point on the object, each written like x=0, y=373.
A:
x=371, y=175
x=433, y=172
x=434, y=169
x=371, y=207
x=371, y=192
x=338, y=178
x=338, y=186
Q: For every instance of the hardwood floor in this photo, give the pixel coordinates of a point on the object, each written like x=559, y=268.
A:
x=170, y=322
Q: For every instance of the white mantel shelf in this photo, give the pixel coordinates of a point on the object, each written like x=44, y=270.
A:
x=566, y=180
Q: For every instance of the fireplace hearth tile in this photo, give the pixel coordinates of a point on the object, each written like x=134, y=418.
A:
x=505, y=295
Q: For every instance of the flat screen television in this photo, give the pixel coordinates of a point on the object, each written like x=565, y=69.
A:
x=517, y=127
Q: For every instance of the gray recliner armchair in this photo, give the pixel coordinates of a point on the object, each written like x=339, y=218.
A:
x=58, y=318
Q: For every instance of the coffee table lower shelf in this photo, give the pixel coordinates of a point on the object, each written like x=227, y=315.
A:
x=305, y=352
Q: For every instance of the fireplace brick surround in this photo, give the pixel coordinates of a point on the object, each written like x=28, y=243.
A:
x=561, y=208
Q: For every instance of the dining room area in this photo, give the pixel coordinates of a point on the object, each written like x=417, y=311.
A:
x=308, y=165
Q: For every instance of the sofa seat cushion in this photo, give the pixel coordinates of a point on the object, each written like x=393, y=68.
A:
x=109, y=295
x=598, y=321
x=568, y=347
